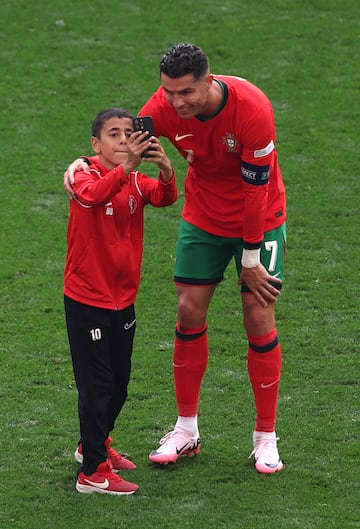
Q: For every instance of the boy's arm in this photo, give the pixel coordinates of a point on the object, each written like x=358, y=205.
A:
x=91, y=189
x=159, y=193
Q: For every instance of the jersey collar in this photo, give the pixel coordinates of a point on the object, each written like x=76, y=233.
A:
x=225, y=94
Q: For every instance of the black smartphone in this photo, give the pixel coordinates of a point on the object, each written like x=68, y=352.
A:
x=144, y=123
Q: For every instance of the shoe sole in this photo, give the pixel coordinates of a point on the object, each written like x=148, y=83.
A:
x=165, y=459
x=264, y=469
x=87, y=489
x=78, y=457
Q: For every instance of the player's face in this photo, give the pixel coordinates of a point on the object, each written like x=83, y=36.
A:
x=186, y=95
x=112, y=144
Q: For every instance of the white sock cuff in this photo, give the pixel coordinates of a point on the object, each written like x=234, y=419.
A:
x=189, y=424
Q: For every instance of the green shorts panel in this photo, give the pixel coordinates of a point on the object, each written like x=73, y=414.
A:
x=201, y=258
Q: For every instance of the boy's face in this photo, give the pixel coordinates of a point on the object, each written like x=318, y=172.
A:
x=111, y=146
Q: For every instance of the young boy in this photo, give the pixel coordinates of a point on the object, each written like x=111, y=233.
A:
x=101, y=280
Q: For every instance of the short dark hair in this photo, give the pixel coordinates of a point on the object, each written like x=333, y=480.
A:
x=183, y=59
x=106, y=114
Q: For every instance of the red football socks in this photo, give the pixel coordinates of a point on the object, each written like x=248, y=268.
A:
x=264, y=368
x=190, y=361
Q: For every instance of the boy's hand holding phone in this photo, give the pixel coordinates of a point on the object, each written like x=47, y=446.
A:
x=144, y=124
x=154, y=152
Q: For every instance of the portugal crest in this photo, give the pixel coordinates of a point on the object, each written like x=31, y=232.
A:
x=230, y=141
x=132, y=204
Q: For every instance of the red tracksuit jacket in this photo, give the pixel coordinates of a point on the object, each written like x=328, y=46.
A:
x=105, y=234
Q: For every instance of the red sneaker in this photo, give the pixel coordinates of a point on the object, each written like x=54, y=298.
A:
x=118, y=461
x=104, y=481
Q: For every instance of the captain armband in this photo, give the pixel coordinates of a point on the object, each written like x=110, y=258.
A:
x=257, y=175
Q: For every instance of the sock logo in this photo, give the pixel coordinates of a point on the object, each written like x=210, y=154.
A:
x=178, y=365
x=265, y=386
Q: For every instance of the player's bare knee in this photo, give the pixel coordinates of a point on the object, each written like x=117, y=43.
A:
x=259, y=320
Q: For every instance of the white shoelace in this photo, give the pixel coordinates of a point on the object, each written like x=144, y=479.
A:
x=265, y=448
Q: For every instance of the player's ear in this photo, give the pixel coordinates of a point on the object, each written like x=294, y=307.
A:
x=95, y=143
x=209, y=79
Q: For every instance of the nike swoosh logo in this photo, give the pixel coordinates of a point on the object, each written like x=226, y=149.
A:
x=179, y=450
x=178, y=138
x=265, y=386
x=128, y=325
x=276, y=275
x=103, y=485
x=273, y=465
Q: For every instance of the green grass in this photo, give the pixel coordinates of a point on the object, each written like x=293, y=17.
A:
x=62, y=62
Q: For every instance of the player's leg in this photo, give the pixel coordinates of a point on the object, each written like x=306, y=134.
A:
x=264, y=361
x=198, y=270
x=190, y=358
x=264, y=368
x=191, y=351
x=265, y=357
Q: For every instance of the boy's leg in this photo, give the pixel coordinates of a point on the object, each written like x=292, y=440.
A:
x=121, y=347
x=88, y=332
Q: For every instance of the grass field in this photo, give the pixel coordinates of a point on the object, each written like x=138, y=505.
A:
x=62, y=62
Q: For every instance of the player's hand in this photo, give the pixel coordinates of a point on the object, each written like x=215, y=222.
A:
x=259, y=282
x=76, y=165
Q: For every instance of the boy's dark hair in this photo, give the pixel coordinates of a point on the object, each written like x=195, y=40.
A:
x=183, y=59
x=104, y=115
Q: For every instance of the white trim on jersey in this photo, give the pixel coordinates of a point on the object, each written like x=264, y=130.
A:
x=263, y=152
x=137, y=185
x=81, y=204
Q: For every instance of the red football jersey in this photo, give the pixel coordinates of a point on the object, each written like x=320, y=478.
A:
x=233, y=186
x=106, y=232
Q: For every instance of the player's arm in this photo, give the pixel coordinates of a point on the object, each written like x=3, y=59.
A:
x=256, y=164
x=254, y=274
x=80, y=164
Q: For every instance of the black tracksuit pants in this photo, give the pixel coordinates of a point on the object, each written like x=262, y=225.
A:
x=101, y=343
